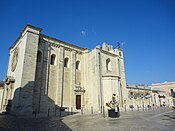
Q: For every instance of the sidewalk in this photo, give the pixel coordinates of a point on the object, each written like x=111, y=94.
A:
x=136, y=120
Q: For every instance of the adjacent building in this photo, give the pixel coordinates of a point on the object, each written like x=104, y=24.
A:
x=145, y=97
x=169, y=89
x=1, y=93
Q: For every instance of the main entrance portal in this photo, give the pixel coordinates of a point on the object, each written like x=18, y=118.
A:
x=78, y=101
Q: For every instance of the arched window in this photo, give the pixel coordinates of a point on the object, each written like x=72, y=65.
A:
x=78, y=65
x=52, y=61
x=66, y=62
x=172, y=93
x=39, y=56
x=108, y=64
x=120, y=54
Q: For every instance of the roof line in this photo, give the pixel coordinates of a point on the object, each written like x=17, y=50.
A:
x=20, y=35
x=66, y=43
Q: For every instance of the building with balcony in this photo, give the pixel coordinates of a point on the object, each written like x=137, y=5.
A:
x=169, y=89
x=144, y=96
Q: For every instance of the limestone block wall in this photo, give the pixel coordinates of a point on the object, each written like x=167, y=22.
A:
x=53, y=78
x=63, y=80
x=53, y=84
x=85, y=69
x=109, y=77
x=113, y=71
x=23, y=76
x=121, y=71
x=44, y=99
x=105, y=82
x=60, y=75
x=1, y=97
x=114, y=78
x=110, y=87
x=67, y=79
x=71, y=100
x=37, y=87
x=16, y=74
x=91, y=80
x=28, y=74
x=80, y=70
x=38, y=78
x=88, y=77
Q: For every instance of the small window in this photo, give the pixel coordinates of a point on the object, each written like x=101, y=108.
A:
x=66, y=62
x=77, y=65
x=52, y=62
x=39, y=56
x=120, y=54
x=171, y=92
x=108, y=64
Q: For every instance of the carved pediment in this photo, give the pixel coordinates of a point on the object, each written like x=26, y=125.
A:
x=79, y=89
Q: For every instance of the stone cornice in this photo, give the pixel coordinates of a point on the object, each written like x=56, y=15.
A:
x=57, y=45
x=31, y=26
x=139, y=88
x=108, y=53
x=115, y=76
x=165, y=83
x=63, y=42
x=22, y=31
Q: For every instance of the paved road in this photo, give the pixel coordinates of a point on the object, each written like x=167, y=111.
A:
x=157, y=120
x=162, y=119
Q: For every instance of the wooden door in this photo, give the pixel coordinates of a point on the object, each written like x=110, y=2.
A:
x=78, y=101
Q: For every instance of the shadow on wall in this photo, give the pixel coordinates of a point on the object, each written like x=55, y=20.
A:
x=22, y=105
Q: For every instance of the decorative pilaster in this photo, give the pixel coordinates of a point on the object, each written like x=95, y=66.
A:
x=73, y=79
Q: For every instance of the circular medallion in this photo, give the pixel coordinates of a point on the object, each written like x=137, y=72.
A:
x=15, y=59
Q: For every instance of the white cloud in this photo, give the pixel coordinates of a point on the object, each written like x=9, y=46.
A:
x=123, y=43
x=83, y=32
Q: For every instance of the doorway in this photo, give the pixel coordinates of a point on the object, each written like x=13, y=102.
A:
x=78, y=101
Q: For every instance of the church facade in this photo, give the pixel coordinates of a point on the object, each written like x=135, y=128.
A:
x=44, y=73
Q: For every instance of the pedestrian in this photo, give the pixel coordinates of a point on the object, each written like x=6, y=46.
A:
x=117, y=111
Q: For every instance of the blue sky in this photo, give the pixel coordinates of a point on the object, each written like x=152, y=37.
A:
x=147, y=28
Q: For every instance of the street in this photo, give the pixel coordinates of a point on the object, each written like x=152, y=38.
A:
x=158, y=120
x=161, y=119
